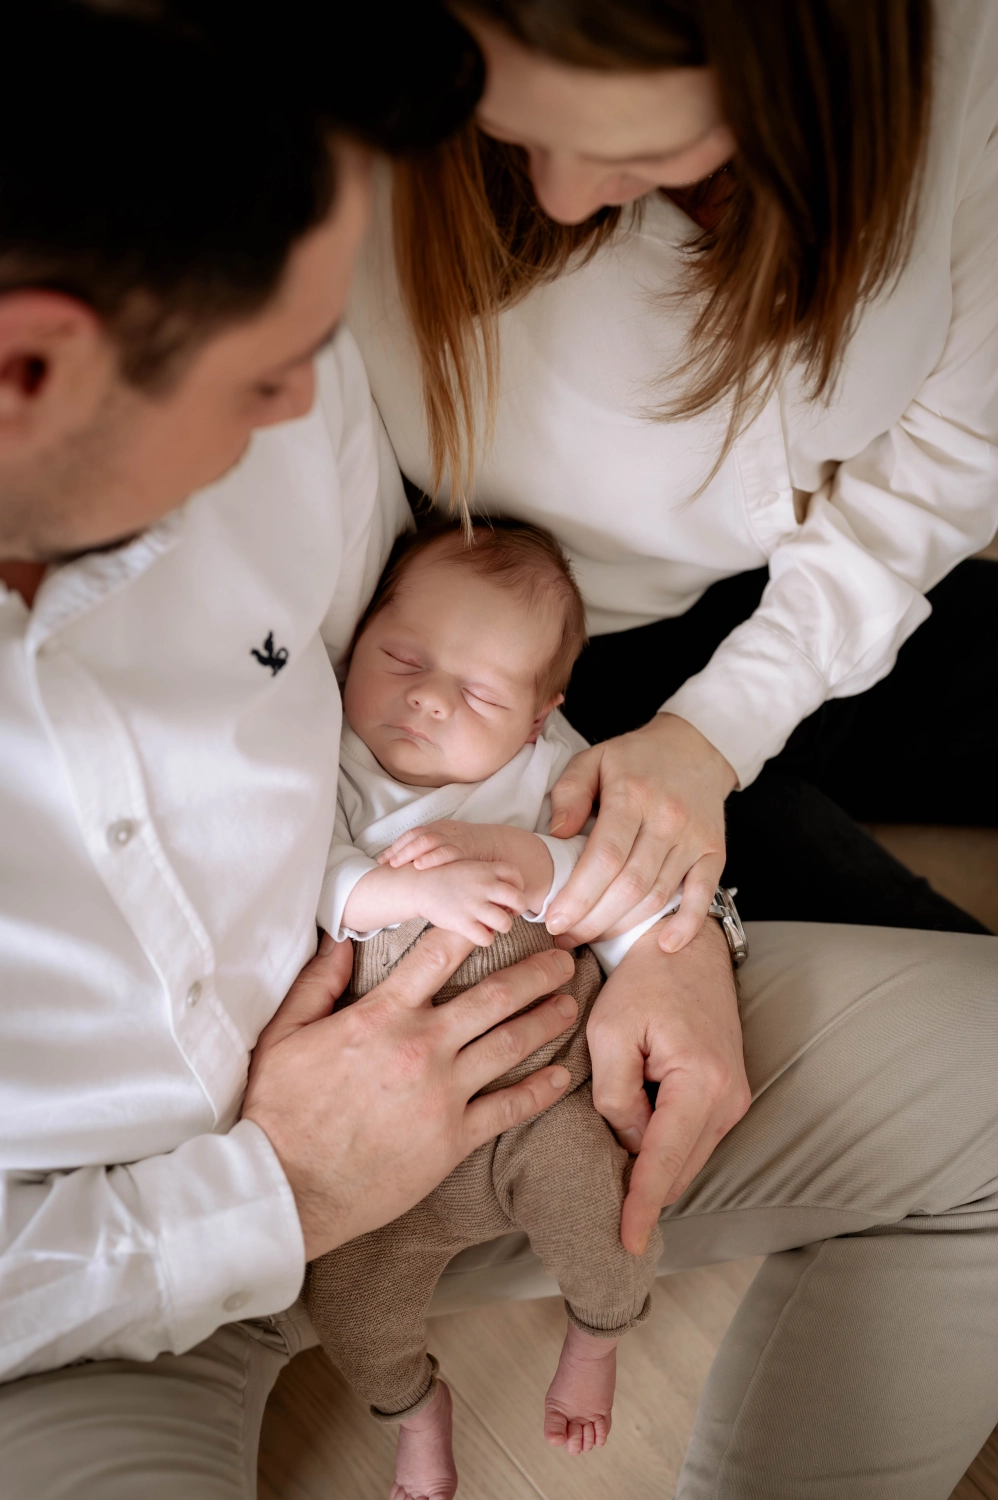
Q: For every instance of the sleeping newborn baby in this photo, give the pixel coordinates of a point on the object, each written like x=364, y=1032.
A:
x=452, y=745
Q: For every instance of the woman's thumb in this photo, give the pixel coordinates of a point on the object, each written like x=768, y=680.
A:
x=574, y=793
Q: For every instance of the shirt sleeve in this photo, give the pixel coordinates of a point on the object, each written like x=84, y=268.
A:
x=345, y=865
x=132, y=1261
x=848, y=588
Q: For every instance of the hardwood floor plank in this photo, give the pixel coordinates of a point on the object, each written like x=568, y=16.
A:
x=319, y=1442
x=981, y=1479
x=501, y=1359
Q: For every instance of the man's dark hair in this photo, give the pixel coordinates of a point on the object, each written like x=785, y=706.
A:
x=158, y=158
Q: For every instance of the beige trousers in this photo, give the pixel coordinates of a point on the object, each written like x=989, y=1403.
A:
x=863, y=1363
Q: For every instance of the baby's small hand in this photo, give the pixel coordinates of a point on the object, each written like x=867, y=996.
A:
x=442, y=843
x=473, y=897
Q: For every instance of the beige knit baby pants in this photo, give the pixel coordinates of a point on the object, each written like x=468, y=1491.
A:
x=560, y=1177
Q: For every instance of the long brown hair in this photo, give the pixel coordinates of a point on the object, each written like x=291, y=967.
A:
x=829, y=103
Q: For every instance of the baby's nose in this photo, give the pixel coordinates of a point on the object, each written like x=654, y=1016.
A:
x=431, y=698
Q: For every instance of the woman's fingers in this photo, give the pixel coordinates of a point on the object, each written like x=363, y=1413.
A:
x=699, y=885
x=605, y=855
x=618, y=1088
x=491, y=1114
x=675, y=1128
x=641, y=889
x=574, y=793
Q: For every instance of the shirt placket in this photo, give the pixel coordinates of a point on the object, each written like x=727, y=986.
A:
x=104, y=771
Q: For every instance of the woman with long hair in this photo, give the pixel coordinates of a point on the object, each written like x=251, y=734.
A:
x=708, y=288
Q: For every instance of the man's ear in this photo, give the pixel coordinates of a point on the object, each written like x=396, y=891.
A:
x=541, y=716
x=56, y=363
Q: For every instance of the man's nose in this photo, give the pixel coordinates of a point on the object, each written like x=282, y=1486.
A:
x=431, y=696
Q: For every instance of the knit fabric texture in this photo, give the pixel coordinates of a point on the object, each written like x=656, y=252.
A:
x=562, y=1177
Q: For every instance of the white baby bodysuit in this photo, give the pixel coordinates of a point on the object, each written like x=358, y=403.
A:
x=373, y=810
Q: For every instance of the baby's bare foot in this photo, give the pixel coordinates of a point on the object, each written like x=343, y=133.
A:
x=578, y=1404
x=424, y=1459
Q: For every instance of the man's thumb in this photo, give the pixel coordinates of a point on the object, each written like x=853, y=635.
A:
x=316, y=990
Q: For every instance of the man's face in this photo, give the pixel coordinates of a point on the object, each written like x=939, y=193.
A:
x=104, y=459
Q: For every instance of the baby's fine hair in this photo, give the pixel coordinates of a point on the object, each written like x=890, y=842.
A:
x=513, y=555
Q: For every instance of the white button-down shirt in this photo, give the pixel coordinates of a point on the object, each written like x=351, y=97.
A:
x=896, y=476
x=171, y=723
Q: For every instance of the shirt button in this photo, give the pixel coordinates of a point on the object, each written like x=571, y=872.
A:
x=236, y=1301
x=118, y=834
x=194, y=993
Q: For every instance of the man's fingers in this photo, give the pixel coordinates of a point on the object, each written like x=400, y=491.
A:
x=574, y=793
x=314, y=992
x=490, y=1056
x=505, y=992
x=699, y=885
x=412, y=985
x=491, y=1114
x=673, y=1131
x=602, y=860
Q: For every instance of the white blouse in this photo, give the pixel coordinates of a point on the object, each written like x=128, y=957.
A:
x=859, y=505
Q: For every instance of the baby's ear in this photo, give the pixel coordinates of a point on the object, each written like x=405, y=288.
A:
x=541, y=717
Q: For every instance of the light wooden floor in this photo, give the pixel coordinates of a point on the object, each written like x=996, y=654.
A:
x=320, y=1444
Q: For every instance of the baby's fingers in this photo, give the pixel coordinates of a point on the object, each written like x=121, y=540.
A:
x=408, y=846
x=446, y=854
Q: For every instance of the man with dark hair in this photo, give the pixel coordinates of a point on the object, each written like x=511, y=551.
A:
x=182, y=189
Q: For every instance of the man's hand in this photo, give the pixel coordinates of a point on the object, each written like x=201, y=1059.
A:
x=661, y=794
x=368, y=1108
x=672, y=1019
x=448, y=840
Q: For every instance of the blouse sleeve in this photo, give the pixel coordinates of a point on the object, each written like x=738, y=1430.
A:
x=848, y=587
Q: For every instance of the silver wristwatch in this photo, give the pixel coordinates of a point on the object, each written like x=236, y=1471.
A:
x=724, y=909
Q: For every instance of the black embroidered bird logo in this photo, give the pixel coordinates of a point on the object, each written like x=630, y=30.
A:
x=268, y=657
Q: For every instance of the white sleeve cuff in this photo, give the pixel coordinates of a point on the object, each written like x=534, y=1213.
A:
x=345, y=868
x=225, y=1223
x=610, y=951
x=750, y=697
x=565, y=854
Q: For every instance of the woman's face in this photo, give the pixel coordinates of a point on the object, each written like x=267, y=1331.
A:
x=595, y=137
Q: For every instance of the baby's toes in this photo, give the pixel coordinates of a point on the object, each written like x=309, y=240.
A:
x=601, y=1431
x=576, y=1436
x=555, y=1427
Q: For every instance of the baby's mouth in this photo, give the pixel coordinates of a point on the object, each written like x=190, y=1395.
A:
x=414, y=734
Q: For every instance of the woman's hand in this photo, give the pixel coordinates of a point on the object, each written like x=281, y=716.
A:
x=661, y=793
x=672, y=1019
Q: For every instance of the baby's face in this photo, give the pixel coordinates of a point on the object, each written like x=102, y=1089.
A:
x=443, y=682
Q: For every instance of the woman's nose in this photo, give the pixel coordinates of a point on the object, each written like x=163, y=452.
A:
x=567, y=188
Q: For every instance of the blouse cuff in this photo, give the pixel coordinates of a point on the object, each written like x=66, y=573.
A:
x=750, y=697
